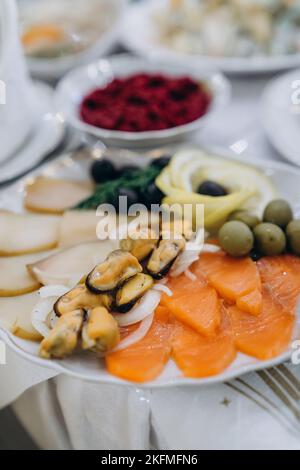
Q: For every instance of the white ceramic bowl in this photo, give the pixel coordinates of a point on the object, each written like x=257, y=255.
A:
x=78, y=83
x=280, y=112
x=17, y=95
x=53, y=69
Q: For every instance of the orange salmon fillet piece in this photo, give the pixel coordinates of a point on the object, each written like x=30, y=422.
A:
x=235, y=279
x=146, y=359
x=265, y=336
x=195, y=303
x=201, y=356
x=281, y=275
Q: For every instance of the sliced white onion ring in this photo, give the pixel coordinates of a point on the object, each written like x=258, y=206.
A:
x=210, y=248
x=190, y=275
x=137, y=335
x=185, y=260
x=40, y=314
x=162, y=288
x=144, y=307
x=190, y=255
x=53, y=291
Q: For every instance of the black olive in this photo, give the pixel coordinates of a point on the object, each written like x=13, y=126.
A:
x=161, y=162
x=210, y=188
x=131, y=194
x=152, y=195
x=128, y=169
x=103, y=170
x=255, y=255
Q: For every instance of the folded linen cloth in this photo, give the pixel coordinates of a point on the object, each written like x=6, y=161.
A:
x=260, y=410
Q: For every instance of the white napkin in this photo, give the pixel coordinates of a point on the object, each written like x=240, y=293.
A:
x=66, y=413
x=244, y=414
x=257, y=411
x=18, y=375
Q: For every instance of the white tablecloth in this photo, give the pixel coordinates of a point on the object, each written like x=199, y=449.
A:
x=258, y=411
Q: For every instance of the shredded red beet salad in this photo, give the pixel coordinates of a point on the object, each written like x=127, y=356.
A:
x=145, y=102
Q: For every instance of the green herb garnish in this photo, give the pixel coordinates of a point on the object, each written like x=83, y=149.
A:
x=107, y=193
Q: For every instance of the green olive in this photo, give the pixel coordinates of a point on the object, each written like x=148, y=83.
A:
x=293, y=236
x=278, y=212
x=270, y=239
x=244, y=216
x=236, y=238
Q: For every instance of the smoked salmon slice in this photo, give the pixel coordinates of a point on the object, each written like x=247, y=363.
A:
x=146, y=359
x=281, y=275
x=251, y=302
x=265, y=336
x=237, y=280
x=195, y=303
x=201, y=356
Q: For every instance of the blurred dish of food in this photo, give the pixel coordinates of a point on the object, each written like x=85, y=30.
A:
x=63, y=30
x=146, y=102
x=239, y=28
x=125, y=100
x=235, y=35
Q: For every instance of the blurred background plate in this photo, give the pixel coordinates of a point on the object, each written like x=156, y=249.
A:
x=281, y=115
x=42, y=140
x=139, y=34
x=60, y=34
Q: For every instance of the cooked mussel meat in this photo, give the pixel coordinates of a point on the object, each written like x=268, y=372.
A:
x=63, y=338
x=182, y=227
x=113, y=272
x=132, y=291
x=101, y=331
x=141, y=243
x=164, y=256
x=81, y=298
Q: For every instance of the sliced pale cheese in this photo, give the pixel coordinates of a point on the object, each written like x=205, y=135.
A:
x=81, y=226
x=25, y=233
x=15, y=315
x=54, y=196
x=68, y=266
x=15, y=279
x=78, y=227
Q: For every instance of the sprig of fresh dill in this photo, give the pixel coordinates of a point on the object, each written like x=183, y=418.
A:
x=107, y=193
